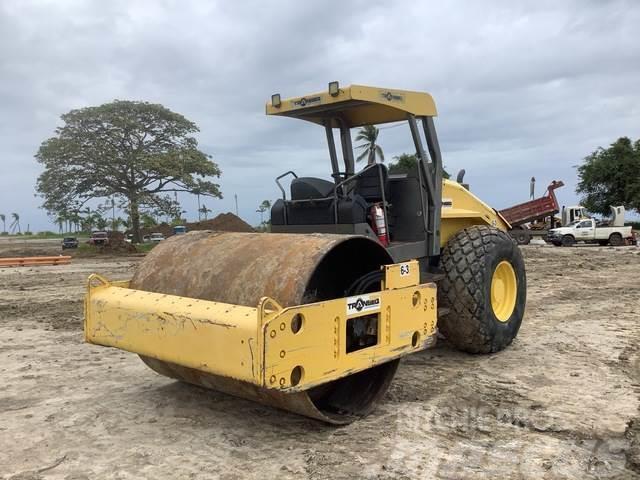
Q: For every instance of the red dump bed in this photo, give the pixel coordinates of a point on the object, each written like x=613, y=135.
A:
x=535, y=209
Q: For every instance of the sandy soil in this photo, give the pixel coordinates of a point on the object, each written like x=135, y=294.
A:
x=561, y=402
x=24, y=247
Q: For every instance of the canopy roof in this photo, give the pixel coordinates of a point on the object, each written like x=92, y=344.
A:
x=357, y=105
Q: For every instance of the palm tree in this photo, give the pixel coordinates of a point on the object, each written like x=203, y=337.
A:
x=204, y=210
x=16, y=223
x=369, y=135
x=100, y=221
x=4, y=222
x=264, y=206
x=115, y=223
x=74, y=220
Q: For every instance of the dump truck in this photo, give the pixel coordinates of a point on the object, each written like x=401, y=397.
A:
x=361, y=269
x=539, y=209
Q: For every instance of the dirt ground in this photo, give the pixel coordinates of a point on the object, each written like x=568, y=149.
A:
x=561, y=402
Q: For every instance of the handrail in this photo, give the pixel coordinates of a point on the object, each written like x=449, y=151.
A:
x=284, y=195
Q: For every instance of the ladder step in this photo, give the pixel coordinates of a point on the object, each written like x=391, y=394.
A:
x=443, y=311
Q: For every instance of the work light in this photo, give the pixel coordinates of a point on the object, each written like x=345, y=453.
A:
x=275, y=100
x=334, y=89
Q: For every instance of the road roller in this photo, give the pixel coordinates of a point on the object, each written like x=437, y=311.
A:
x=360, y=269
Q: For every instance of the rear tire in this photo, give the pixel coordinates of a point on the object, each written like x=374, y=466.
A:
x=615, y=240
x=470, y=261
x=568, y=241
x=521, y=235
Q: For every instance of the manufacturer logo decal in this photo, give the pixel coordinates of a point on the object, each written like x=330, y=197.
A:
x=303, y=102
x=391, y=97
x=363, y=304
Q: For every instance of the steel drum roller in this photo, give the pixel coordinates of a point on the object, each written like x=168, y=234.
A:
x=293, y=269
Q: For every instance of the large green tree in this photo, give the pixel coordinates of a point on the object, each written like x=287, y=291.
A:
x=135, y=151
x=406, y=163
x=610, y=177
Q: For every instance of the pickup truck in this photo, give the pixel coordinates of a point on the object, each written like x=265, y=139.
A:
x=156, y=237
x=586, y=230
x=69, y=242
x=99, y=238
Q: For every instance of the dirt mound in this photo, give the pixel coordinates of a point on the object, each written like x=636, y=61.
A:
x=225, y=222
x=117, y=244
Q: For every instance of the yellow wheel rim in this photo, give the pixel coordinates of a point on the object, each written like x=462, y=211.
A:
x=504, y=291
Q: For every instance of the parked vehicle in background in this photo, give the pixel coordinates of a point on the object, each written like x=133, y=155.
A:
x=129, y=238
x=521, y=216
x=536, y=218
x=588, y=230
x=179, y=229
x=99, y=238
x=69, y=242
x=156, y=237
x=573, y=214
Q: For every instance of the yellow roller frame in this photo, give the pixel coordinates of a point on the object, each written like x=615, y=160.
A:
x=289, y=349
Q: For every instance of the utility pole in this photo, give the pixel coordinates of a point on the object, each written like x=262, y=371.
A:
x=236, y=197
x=113, y=214
x=532, y=187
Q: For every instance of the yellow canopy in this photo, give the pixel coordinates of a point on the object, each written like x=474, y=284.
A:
x=357, y=105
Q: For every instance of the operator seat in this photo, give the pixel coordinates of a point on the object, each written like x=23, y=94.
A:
x=368, y=184
x=306, y=188
x=313, y=203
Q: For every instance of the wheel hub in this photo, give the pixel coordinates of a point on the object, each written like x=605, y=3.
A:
x=504, y=289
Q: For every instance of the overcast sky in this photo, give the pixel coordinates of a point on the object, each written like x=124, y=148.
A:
x=523, y=88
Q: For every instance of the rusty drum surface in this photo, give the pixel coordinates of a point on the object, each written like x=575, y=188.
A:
x=293, y=269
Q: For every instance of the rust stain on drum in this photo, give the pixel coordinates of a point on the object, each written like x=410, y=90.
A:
x=237, y=268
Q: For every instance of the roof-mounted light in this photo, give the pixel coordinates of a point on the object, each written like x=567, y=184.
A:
x=334, y=89
x=275, y=100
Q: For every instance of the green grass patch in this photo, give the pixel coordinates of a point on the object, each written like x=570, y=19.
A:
x=42, y=235
x=145, y=247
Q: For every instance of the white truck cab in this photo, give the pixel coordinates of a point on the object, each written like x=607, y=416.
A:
x=573, y=214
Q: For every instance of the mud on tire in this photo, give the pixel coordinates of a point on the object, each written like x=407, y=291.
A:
x=468, y=261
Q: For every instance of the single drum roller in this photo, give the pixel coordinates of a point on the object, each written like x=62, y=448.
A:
x=314, y=317
x=237, y=271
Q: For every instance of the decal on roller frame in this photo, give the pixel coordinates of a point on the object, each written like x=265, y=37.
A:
x=363, y=304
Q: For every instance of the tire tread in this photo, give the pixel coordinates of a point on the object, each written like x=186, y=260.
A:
x=462, y=290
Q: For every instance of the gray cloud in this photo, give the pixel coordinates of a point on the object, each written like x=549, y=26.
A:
x=522, y=88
